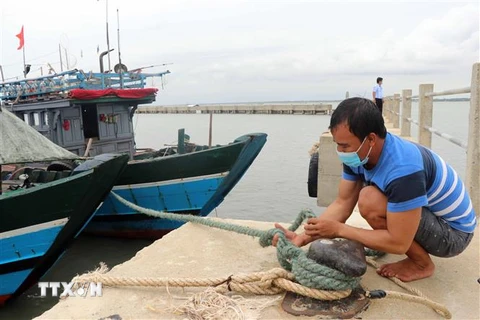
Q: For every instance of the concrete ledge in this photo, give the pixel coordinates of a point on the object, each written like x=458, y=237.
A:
x=198, y=251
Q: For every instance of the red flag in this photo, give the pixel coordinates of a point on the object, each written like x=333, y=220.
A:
x=22, y=40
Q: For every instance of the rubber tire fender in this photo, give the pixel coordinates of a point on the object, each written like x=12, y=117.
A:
x=313, y=176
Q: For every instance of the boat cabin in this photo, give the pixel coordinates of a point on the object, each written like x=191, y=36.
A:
x=81, y=112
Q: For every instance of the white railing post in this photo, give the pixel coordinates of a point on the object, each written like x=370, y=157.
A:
x=425, y=113
x=384, y=110
x=472, y=180
x=396, y=110
x=405, y=130
x=390, y=109
x=387, y=113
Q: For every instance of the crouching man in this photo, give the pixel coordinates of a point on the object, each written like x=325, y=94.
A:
x=414, y=201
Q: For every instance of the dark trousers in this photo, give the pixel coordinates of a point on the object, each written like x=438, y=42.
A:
x=379, y=103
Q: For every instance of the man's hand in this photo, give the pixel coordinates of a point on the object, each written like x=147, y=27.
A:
x=296, y=239
x=322, y=228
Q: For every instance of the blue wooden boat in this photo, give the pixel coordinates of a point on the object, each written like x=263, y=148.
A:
x=191, y=183
x=92, y=114
x=41, y=215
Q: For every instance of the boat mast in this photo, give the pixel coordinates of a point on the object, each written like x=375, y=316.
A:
x=60, y=53
x=119, y=55
x=108, y=39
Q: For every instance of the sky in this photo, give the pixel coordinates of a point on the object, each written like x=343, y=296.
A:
x=252, y=51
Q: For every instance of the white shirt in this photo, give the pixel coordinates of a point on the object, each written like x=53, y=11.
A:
x=378, y=91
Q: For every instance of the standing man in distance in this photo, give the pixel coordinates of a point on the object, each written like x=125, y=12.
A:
x=378, y=94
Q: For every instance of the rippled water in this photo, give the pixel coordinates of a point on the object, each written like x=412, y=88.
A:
x=273, y=189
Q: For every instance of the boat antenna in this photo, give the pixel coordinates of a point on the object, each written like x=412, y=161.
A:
x=108, y=40
x=66, y=58
x=60, y=53
x=119, y=55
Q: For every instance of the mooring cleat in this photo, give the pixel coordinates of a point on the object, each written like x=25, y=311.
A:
x=346, y=256
x=345, y=308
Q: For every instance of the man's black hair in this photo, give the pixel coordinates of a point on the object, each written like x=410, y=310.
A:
x=362, y=117
x=379, y=79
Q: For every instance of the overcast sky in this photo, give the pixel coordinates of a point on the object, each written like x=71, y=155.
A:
x=246, y=51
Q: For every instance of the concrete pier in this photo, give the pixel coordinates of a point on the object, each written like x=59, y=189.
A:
x=195, y=251
x=310, y=109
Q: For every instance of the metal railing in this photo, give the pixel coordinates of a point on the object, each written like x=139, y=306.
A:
x=402, y=118
x=73, y=79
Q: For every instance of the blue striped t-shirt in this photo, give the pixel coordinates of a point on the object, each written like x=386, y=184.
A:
x=413, y=176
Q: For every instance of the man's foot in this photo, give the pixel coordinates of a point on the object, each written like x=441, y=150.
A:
x=407, y=270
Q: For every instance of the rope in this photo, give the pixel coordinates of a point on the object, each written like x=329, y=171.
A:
x=271, y=282
x=314, y=280
x=306, y=271
x=418, y=296
x=18, y=97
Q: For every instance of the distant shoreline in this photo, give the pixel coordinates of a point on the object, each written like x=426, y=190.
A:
x=297, y=102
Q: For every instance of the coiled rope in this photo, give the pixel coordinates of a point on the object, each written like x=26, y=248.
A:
x=313, y=280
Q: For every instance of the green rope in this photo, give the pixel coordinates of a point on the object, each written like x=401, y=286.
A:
x=307, y=272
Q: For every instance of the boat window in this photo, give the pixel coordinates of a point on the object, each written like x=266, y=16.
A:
x=44, y=118
x=90, y=122
x=26, y=118
x=36, y=119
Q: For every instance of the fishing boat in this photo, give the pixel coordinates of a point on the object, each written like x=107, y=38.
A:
x=191, y=183
x=43, y=212
x=91, y=114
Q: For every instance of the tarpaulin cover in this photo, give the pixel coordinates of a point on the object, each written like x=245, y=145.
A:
x=83, y=94
x=20, y=143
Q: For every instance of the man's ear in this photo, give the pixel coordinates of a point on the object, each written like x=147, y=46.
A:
x=372, y=139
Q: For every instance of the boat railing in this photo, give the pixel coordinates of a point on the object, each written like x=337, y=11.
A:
x=398, y=109
x=73, y=79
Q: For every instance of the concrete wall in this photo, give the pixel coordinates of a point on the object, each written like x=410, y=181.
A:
x=329, y=171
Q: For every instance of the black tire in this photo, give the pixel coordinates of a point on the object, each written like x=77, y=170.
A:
x=61, y=166
x=313, y=176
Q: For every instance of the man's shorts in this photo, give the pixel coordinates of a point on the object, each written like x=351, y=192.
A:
x=439, y=239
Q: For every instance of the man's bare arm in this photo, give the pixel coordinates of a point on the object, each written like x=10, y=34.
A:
x=341, y=208
x=397, y=238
